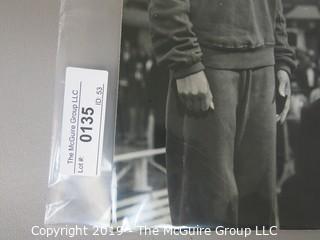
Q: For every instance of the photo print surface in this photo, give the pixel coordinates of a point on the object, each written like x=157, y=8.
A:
x=218, y=114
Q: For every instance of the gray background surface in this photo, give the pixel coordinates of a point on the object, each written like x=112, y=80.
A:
x=28, y=41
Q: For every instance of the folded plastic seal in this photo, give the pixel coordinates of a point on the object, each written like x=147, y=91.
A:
x=88, y=53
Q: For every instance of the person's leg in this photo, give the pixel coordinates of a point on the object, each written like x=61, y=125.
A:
x=174, y=151
x=201, y=183
x=255, y=151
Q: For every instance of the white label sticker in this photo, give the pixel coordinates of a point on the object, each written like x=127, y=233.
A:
x=83, y=121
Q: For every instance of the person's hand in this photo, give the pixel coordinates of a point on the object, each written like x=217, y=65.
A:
x=285, y=92
x=194, y=92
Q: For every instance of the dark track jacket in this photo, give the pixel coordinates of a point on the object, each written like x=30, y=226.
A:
x=188, y=35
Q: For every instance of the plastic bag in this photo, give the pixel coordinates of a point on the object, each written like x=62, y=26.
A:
x=88, y=46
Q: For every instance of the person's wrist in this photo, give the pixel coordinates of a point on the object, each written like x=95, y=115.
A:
x=285, y=68
x=186, y=71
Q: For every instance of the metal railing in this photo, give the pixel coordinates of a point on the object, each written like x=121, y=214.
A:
x=139, y=161
x=151, y=207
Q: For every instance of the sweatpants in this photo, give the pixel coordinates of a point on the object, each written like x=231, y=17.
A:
x=221, y=164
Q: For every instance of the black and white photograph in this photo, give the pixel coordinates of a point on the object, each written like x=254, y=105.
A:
x=218, y=114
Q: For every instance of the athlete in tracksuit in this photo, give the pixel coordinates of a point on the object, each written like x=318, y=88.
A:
x=228, y=59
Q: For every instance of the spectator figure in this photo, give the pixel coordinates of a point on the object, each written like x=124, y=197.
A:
x=298, y=101
x=138, y=101
x=300, y=197
x=157, y=85
x=126, y=73
x=304, y=74
x=315, y=93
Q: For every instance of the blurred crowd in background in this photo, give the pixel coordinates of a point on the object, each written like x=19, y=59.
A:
x=142, y=94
